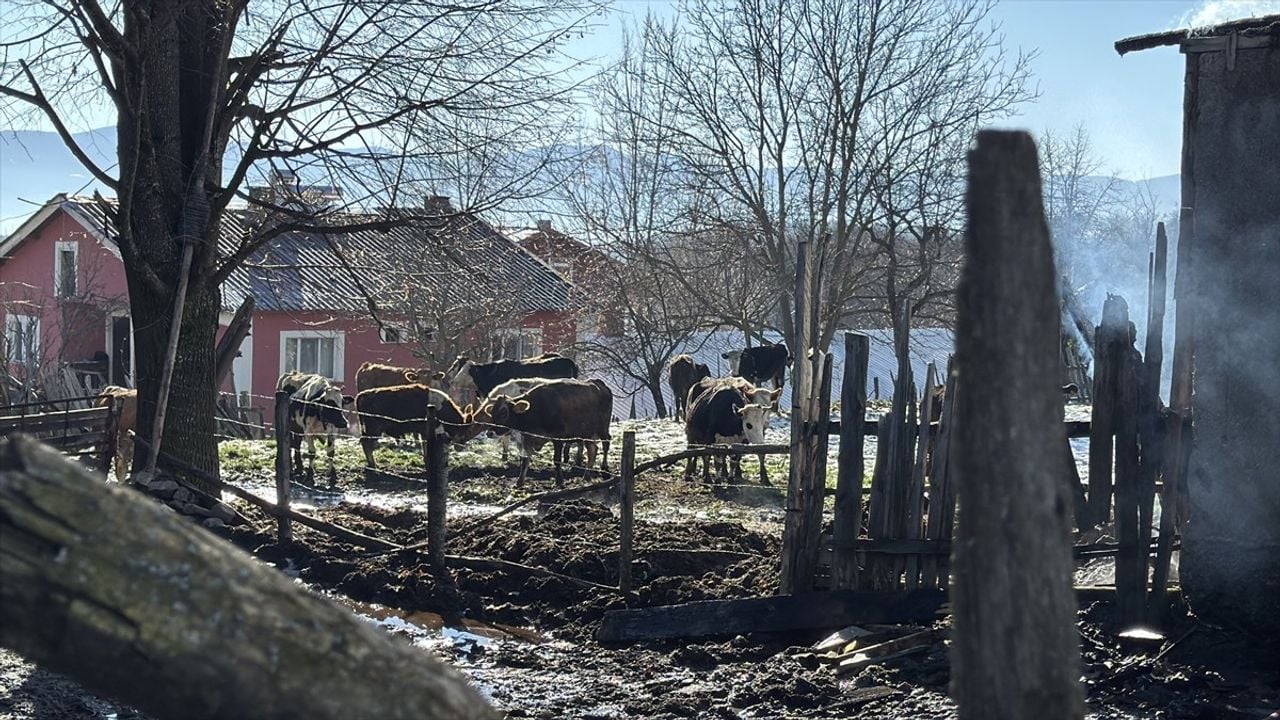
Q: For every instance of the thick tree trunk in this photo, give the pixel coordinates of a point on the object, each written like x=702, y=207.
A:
x=137, y=603
x=655, y=389
x=189, y=429
x=1016, y=651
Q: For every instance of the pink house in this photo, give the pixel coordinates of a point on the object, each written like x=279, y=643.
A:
x=64, y=303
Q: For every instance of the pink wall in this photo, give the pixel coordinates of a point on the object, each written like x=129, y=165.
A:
x=27, y=288
x=361, y=343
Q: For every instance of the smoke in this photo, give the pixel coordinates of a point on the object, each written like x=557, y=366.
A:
x=1215, y=12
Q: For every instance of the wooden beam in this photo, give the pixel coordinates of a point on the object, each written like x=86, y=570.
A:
x=224, y=354
x=805, y=611
x=102, y=584
x=847, y=525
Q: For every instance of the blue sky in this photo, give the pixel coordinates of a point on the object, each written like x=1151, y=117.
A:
x=1131, y=106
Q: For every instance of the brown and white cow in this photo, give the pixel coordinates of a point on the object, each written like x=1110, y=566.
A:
x=372, y=375
x=727, y=410
x=126, y=400
x=315, y=409
x=401, y=411
x=682, y=373
x=557, y=411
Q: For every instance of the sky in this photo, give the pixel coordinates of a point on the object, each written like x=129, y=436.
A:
x=1131, y=106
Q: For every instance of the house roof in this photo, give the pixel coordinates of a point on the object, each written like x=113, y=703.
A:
x=457, y=258
x=1266, y=28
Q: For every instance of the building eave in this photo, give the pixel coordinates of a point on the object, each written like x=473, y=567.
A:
x=1261, y=31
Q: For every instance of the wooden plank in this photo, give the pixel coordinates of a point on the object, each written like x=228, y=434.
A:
x=1075, y=428
x=801, y=382
x=284, y=468
x=1124, y=376
x=437, y=446
x=1015, y=649
x=847, y=525
x=805, y=611
x=942, y=496
x=626, y=510
x=70, y=420
x=887, y=650
x=877, y=510
x=915, y=496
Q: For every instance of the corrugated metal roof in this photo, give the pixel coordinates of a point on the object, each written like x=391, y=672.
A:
x=459, y=258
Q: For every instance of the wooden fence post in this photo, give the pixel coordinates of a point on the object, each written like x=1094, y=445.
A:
x=942, y=491
x=850, y=466
x=915, y=493
x=437, y=491
x=1125, y=374
x=1151, y=419
x=789, y=578
x=626, y=510
x=283, y=466
x=1015, y=648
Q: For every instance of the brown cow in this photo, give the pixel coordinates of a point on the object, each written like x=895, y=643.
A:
x=681, y=375
x=126, y=400
x=401, y=410
x=559, y=412
x=372, y=375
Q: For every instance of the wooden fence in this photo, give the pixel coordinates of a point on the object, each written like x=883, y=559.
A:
x=81, y=432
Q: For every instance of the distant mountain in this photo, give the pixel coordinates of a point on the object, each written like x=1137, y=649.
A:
x=35, y=166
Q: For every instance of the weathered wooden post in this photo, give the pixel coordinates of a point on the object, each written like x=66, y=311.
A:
x=1015, y=650
x=1123, y=372
x=437, y=491
x=849, y=474
x=283, y=466
x=942, y=489
x=915, y=492
x=792, y=575
x=626, y=510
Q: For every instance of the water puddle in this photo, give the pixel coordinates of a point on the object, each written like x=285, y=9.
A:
x=426, y=624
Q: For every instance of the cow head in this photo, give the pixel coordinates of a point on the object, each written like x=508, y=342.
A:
x=497, y=410
x=734, y=357
x=330, y=407
x=461, y=378
x=701, y=371
x=754, y=417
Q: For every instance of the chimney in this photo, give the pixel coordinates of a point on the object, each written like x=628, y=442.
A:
x=544, y=227
x=437, y=204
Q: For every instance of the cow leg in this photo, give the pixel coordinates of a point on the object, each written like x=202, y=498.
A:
x=690, y=467
x=591, y=459
x=333, y=469
x=706, y=469
x=764, y=473
x=558, y=449
x=506, y=447
x=368, y=444
x=295, y=442
x=581, y=449
x=604, y=455
x=524, y=470
x=311, y=458
x=737, y=468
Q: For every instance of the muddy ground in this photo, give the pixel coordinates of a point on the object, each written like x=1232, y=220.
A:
x=528, y=642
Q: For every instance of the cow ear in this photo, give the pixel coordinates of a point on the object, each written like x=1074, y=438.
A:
x=347, y=400
x=437, y=376
x=520, y=406
x=469, y=410
x=776, y=394
x=740, y=409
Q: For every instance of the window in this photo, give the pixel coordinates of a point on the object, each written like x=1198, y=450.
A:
x=312, y=351
x=391, y=334
x=22, y=338
x=64, y=268
x=518, y=344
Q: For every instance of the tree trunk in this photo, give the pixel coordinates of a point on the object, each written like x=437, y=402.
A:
x=655, y=389
x=189, y=431
x=137, y=603
x=1016, y=651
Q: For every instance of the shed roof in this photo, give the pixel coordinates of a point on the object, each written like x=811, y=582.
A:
x=1255, y=27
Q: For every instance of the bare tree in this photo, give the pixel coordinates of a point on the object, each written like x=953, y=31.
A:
x=209, y=94
x=798, y=117
x=630, y=202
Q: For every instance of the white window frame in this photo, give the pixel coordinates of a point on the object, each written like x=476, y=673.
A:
x=111, y=350
x=529, y=345
x=401, y=330
x=17, y=352
x=339, y=348
x=60, y=247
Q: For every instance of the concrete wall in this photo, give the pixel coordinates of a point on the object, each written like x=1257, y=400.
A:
x=1230, y=564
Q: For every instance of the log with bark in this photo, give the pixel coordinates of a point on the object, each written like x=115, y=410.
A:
x=104, y=585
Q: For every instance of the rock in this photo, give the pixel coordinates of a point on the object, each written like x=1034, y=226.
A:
x=213, y=523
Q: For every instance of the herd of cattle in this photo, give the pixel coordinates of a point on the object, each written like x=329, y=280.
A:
x=530, y=403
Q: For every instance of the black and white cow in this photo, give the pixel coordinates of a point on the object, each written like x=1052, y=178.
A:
x=760, y=364
x=315, y=408
x=726, y=410
x=482, y=378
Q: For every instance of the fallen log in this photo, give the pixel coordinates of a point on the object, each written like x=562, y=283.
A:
x=328, y=528
x=709, y=451
x=104, y=585
x=804, y=611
